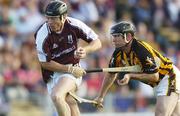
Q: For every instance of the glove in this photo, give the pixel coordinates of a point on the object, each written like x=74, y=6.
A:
x=76, y=71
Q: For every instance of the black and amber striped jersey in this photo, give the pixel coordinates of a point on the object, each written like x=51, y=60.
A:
x=144, y=55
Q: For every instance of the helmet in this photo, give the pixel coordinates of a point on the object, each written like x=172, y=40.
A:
x=122, y=28
x=56, y=8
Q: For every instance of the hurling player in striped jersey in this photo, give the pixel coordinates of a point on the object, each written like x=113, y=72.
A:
x=157, y=70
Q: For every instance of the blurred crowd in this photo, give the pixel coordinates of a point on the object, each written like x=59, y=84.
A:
x=157, y=22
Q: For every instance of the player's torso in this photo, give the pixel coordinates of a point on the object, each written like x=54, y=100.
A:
x=63, y=45
x=138, y=57
x=164, y=65
x=123, y=59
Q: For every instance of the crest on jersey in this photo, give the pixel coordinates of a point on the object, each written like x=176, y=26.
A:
x=149, y=61
x=70, y=39
x=55, y=45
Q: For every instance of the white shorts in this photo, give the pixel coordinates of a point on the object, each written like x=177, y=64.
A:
x=162, y=88
x=57, y=75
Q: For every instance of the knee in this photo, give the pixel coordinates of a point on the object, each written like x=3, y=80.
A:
x=161, y=112
x=58, y=96
x=70, y=100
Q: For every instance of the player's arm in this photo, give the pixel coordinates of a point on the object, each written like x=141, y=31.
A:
x=93, y=46
x=54, y=66
x=109, y=78
x=145, y=77
x=149, y=65
x=107, y=83
x=81, y=52
x=88, y=35
x=150, y=69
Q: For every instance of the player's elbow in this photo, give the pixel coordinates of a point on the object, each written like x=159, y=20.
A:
x=45, y=65
x=98, y=44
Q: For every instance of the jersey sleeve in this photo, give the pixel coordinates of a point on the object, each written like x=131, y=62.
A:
x=146, y=57
x=42, y=47
x=85, y=32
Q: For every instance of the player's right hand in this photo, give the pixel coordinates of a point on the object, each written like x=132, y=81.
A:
x=80, y=53
x=99, y=101
x=124, y=80
x=76, y=71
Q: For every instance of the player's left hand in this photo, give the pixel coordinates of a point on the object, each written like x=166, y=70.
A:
x=99, y=101
x=125, y=80
x=80, y=53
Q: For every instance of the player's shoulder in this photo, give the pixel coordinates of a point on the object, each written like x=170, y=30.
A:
x=76, y=22
x=42, y=32
x=142, y=49
x=43, y=28
x=140, y=45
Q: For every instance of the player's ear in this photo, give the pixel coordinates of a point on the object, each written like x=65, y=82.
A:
x=129, y=36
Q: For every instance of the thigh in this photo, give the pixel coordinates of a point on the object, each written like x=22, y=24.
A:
x=64, y=85
x=177, y=73
x=57, y=77
x=166, y=104
x=176, y=111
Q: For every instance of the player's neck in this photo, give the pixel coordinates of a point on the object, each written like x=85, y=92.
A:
x=60, y=30
x=127, y=49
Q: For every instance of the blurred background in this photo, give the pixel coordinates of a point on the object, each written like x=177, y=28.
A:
x=22, y=91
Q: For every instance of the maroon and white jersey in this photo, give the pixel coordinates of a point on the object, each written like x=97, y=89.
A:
x=60, y=47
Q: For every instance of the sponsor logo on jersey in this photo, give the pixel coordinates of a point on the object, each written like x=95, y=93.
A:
x=66, y=51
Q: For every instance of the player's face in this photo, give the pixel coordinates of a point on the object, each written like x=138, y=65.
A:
x=118, y=40
x=55, y=23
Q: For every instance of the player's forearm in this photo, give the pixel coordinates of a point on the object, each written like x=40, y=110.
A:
x=145, y=77
x=107, y=83
x=54, y=66
x=93, y=46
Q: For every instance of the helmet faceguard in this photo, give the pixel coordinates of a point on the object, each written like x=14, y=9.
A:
x=56, y=8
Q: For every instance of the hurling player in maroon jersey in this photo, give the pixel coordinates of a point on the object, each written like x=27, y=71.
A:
x=59, y=55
